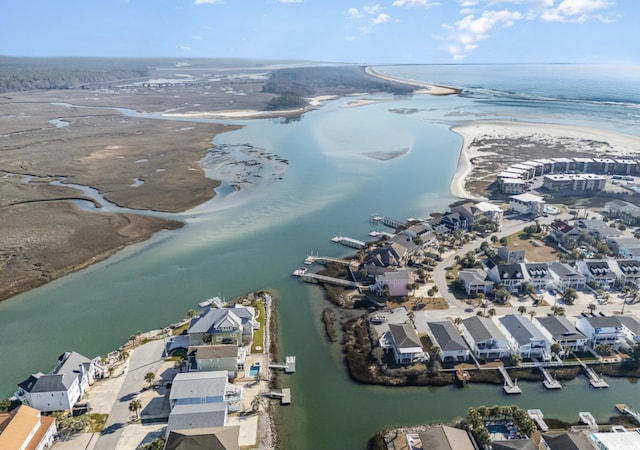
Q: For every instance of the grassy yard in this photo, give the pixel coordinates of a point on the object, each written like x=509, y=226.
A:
x=258, y=335
x=97, y=422
x=178, y=331
x=534, y=246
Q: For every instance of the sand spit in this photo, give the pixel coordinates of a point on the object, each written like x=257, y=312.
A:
x=423, y=88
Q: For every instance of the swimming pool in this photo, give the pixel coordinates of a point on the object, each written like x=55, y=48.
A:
x=254, y=370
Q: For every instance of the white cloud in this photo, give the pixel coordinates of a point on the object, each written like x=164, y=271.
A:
x=373, y=9
x=289, y=1
x=206, y=2
x=353, y=12
x=185, y=48
x=349, y=38
x=576, y=11
x=381, y=18
x=414, y=3
x=468, y=31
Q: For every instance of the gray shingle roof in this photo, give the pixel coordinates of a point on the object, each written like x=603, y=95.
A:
x=199, y=384
x=560, y=328
x=404, y=336
x=482, y=329
x=603, y=322
x=446, y=336
x=631, y=323
x=200, y=415
x=521, y=328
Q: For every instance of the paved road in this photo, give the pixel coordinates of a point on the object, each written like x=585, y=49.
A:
x=146, y=358
x=509, y=227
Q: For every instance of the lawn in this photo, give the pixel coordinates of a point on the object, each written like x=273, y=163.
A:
x=258, y=335
x=97, y=422
x=534, y=246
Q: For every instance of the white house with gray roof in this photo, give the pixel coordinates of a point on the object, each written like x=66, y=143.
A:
x=451, y=346
x=60, y=389
x=601, y=330
x=630, y=329
x=475, y=281
x=560, y=331
x=598, y=271
x=194, y=388
x=525, y=339
x=564, y=276
x=197, y=416
x=405, y=343
x=484, y=338
x=233, y=325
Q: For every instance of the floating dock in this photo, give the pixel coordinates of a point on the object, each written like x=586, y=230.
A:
x=289, y=364
x=509, y=386
x=349, y=242
x=386, y=220
x=624, y=409
x=595, y=380
x=549, y=382
x=537, y=416
x=325, y=259
x=587, y=418
x=303, y=273
x=283, y=394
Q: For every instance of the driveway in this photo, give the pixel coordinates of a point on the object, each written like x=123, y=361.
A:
x=146, y=358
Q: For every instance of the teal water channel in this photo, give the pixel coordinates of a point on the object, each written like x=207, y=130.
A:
x=254, y=239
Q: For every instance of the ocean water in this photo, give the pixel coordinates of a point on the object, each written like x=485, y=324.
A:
x=255, y=238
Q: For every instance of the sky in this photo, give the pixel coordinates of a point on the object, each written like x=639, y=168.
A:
x=383, y=31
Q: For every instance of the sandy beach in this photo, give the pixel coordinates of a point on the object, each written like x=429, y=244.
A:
x=423, y=88
x=480, y=137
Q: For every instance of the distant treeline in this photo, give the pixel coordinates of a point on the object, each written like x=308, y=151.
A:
x=24, y=74
x=310, y=81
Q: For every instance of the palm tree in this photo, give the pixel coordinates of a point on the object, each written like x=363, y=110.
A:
x=569, y=296
x=457, y=321
x=135, y=406
x=592, y=307
x=491, y=312
x=532, y=314
x=191, y=313
x=522, y=310
x=149, y=377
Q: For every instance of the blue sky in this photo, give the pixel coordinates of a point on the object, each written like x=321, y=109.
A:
x=383, y=31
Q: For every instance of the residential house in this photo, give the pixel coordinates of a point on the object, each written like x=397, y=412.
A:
x=601, y=330
x=567, y=440
x=217, y=438
x=559, y=330
x=60, y=389
x=626, y=247
x=561, y=231
x=475, y=281
x=477, y=212
x=619, y=440
x=451, y=346
x=572, y=182
x=395, y=254
x=26, y=428
x=630, y=329
x=525, y=339
x=405, y=343
x=511, y=276
x=233, y=325
x=628, y=271
x=527, y=204
x=206, y=358
x=511, y=255
x=538, y=274
x=597, y=271
x=590, y=226
x=484, y=338
x=565, y=276
x=454, y=221
x=396, y=282
x=625, y=211
x=442, y=437
x=197, y=416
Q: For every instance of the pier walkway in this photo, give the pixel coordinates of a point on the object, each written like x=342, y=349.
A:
x=283, y=394
x=349, y=242
x=537, y=416
x=386, y=220
x=325, y=259
x=289, y=364
x=624, y=409
x=587, y=418
x=509, y=386
x=305, y=275
x=549, y=382
x=594, y=379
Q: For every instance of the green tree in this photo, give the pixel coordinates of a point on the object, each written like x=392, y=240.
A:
x=491, y=312
x=556, y=348
x=149, y=377
x=5, y=405
x=532, y=314
x=591, y=307
x=501, y=295
x=569, y=296
x=522, y=310
x=191, y=313
x=135, y=406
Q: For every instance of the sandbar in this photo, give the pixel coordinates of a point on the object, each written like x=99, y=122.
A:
x=423, y=88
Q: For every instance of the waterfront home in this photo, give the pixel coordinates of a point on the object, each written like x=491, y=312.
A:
x=538, y=275
x=523, y=337
x=219, y=438
x=204, y=387
x=601, y=330
x=616, y=440
x=233, y=325
x=394, y=254
x=527, y=204
x=511, y=276
x=477, y=212
x=396, y=282
x=484, y=338
x=197, y=416
x=475, y=281
x=567, y=440
x=454, y=221
x=445, y=337
x=60, y=389
x=559, y=330
x=26, y=428
x=564, y=276
x=628, y=271
x=597, y=271
x=626, y=247
x=441, y=437
x=630, y=329
x=405, y=343
x=511, y=255
x=204, y=358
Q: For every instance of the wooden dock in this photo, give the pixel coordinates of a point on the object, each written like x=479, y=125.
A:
x=549, y=382
x=537, y=416
x=289, y=364
x=349, y=242
x=386, y=220
x=509, y=386
x=595, y=380
x=283, y=394
x=588, y=419
x=624, y=409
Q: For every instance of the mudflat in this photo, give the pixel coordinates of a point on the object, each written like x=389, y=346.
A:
x=137, y=163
